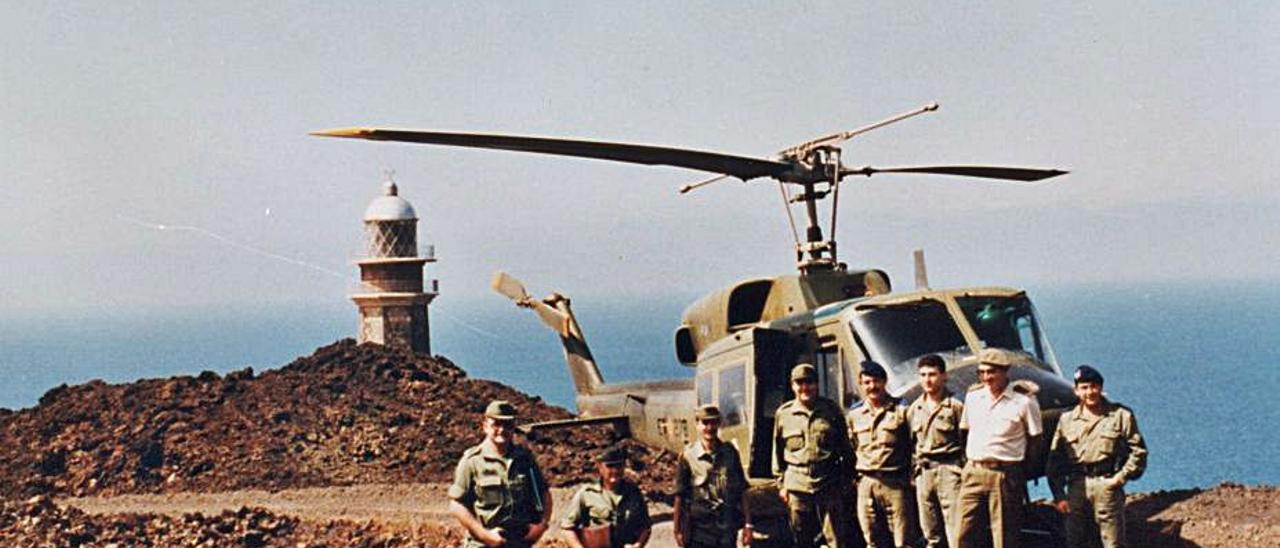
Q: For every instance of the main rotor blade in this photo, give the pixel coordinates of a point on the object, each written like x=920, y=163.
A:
x=986, y=172
x=742, y=167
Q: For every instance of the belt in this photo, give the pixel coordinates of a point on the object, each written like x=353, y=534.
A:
x=1096, y=469
x=884, y=474
x=993, y=464
x=934, y=462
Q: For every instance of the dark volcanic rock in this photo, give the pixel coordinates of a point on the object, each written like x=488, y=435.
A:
x=346, y=414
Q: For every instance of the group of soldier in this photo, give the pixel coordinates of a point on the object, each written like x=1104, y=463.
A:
x=965, y=462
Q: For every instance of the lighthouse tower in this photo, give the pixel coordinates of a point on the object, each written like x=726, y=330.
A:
x=391, y=297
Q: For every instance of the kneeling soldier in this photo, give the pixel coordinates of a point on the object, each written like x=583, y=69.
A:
x=499, y=494
x=1095, y=451
x=710, y=506
x=609, y=514
x=881, y=436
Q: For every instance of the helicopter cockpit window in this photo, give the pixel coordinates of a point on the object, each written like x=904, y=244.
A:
x=896, y=335
x=704, y=388
x=827, y=362
x=733, y=395
x=1009, y=323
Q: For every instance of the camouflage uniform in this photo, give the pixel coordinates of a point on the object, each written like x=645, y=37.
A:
x=882, y=444
x=712, y=485
x=812, y=457
x=502, y=491
x=1087, y=453
x=623, y=510
x=939, y=458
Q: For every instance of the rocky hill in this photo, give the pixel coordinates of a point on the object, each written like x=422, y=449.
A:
x=346, y=414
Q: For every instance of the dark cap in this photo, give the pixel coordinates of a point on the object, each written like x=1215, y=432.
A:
x=804, y=372
x=501, y=410
x=874, y=370
x=995, y=357
x=1086, y=373
x=932, y=360
x=614, y=454
x=707, y=412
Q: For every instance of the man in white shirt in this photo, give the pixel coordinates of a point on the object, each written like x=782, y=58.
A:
x=1003, y=426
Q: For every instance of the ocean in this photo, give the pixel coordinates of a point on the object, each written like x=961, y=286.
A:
x=1194, y=360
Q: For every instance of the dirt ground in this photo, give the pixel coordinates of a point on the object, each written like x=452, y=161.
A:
x=1227, y=515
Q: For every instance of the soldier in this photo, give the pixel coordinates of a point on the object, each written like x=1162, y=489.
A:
x=711, y=504
x=1096, y=450
x=881, y=436
x=939, y=451
x=813, y=460
x=608, y=514
x=1003, y=427
x=499, y=494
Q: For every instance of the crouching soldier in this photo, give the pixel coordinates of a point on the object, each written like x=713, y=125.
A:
x=499, y=494
x=1095, y=451
x=609, y=514
x=711, y=506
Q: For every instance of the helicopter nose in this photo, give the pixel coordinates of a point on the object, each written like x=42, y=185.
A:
x=1051, y=391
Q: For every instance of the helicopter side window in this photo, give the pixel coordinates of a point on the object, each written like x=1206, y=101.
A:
x=1009, y=323
x=704, y=388
x=733, y=394
x=827, y=362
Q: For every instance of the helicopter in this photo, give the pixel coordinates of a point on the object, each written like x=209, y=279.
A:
x=742, y=340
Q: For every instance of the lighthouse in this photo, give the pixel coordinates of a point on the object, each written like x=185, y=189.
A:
x=391, y=297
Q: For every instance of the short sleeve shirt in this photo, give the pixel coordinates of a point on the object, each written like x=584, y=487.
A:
x=624, y=509
x=999, y=427
x=881, y=437
x=937, y=431
x=501, y=490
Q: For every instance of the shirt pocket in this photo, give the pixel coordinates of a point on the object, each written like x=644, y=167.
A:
x=600, y=515
x=944, y=430
x=489, y=491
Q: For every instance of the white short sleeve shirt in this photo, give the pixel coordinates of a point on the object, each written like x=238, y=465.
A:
x=999, y=427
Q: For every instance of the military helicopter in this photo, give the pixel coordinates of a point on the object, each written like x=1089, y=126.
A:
x=742, y=340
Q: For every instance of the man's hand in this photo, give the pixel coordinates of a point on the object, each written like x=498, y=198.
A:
x=679, y=537
x=1116, y=482
x=786, y=498
x=536, y=531
x=745, y=535
x=492, y=537
x=1062, y=506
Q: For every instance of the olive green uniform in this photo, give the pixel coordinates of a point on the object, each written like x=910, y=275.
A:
x=1087, y=454
x=813, y=460
x=624, y=511
x=882, y=445
x=502, y=491
x=939, y=459
x=712, y=485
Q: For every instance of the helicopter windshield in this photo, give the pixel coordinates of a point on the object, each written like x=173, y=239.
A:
x=1009, y=323
x=895, y=335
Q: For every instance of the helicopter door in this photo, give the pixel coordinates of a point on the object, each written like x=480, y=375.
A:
x=774, y=357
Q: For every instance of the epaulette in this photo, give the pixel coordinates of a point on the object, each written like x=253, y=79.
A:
x=975, y=386
x=471, y=451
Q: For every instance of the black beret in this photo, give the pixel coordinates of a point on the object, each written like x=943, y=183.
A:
x=614, y=454
x=873, y=369
x=1086, y=373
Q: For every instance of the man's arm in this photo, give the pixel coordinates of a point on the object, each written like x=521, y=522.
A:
x=1136, y=463
x=473, y=525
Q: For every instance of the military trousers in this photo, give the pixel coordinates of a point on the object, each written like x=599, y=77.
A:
x=990, y=505
x=1097, y=512
x=818, y=518
x=937, y=490
x=884, y=498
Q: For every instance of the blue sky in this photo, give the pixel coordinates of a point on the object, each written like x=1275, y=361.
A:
x=120, y=117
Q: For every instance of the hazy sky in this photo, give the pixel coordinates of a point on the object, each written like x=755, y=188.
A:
x=118, y=118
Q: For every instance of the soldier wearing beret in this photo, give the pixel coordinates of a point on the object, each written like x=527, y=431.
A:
x=498, y=493
x=939, y=451
x=881, y=435
x=1003, y=426
x=1096, y=450
x=813, y=461
x=710, y=506
x=608, y=514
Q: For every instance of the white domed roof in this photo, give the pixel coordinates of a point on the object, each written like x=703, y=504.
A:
x=390, y=207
